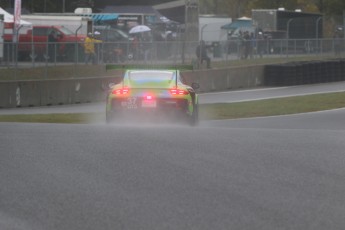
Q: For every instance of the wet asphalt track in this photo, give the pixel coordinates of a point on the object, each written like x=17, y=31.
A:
x=265, y=173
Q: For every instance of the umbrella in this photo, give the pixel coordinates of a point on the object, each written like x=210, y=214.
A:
x=139, y=29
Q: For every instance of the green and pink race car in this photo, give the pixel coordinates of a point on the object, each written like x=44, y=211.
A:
x=152, y=94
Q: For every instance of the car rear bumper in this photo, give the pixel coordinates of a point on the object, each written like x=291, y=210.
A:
x=140, y=104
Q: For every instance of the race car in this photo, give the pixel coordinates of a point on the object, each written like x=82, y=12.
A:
x=152, y=94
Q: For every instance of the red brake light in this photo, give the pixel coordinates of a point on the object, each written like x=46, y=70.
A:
x=122, y=91
x=179, y=92
x=149, y=97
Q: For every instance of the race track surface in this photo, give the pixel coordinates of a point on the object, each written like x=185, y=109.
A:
x=283, y=172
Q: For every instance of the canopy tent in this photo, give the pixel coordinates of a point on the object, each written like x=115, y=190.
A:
x=151, y=15
x=8, y=18
x=243, y=22
x=174, y=10
x=101, y=17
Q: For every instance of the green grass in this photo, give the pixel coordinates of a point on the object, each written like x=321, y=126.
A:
x=272, y=107
x=70, y=118
x=269, y=107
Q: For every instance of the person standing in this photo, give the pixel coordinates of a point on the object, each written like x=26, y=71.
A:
x=260, y=44
x=201, y=54
x=135, y=47
x=52, y=46
x=146, y=44
x=247, y=43
x=337, y=43
x=89, y=48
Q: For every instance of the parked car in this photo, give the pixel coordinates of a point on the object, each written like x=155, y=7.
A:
x=34, y=42
x=116, y=44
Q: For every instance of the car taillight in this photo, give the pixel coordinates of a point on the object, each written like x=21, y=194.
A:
x=148, y=97
x=122, y=91
x=179, y=92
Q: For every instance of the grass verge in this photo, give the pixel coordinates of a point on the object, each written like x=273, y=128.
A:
x=69, y=118
x=273, y=107
x=260, y=108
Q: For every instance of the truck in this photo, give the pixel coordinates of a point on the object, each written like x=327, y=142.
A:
x=288, y=30
x=210, y=28
x=77, y=24
x=34, y=42
x=211, y=33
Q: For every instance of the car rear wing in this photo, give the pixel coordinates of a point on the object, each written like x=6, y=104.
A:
x=148, y=67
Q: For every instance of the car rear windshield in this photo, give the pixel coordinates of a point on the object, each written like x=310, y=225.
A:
x=151, y=76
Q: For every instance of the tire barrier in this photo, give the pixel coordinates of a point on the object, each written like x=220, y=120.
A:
x=308, y=72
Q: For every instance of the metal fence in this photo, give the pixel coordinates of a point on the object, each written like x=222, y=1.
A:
x=169, y=52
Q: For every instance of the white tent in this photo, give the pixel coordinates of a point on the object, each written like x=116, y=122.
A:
x=8, y=18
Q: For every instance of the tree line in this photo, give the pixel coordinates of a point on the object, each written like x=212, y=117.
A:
x=331, y=9
x=238, y=8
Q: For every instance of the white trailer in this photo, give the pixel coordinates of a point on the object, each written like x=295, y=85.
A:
x=210, y=28
x=77, y=24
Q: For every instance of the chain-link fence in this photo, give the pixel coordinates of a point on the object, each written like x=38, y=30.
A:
x=164, y=52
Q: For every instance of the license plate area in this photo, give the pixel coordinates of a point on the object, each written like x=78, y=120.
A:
x=148, y=103
x=130, y=103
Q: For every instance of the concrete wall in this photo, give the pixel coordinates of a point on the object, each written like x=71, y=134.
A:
x=84, y=90
x=53, y=92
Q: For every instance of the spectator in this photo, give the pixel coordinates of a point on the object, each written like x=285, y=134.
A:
x=201, y=54
x=260, y=44
x=89, y=48
x=52, y=45
x=252, y=45
x=146, y=46
x=337, y=43
x=135, y=47
x=241, y=45
x=246, y=41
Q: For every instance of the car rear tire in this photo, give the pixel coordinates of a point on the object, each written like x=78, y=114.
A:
x=194, y=119
x=109, y=117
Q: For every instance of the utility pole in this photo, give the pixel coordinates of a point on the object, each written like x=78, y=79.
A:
x=321, y=6
x=344, y=23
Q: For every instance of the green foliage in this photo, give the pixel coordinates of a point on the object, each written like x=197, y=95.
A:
x=274, y=4
x=334, y=7
x=238, y=8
